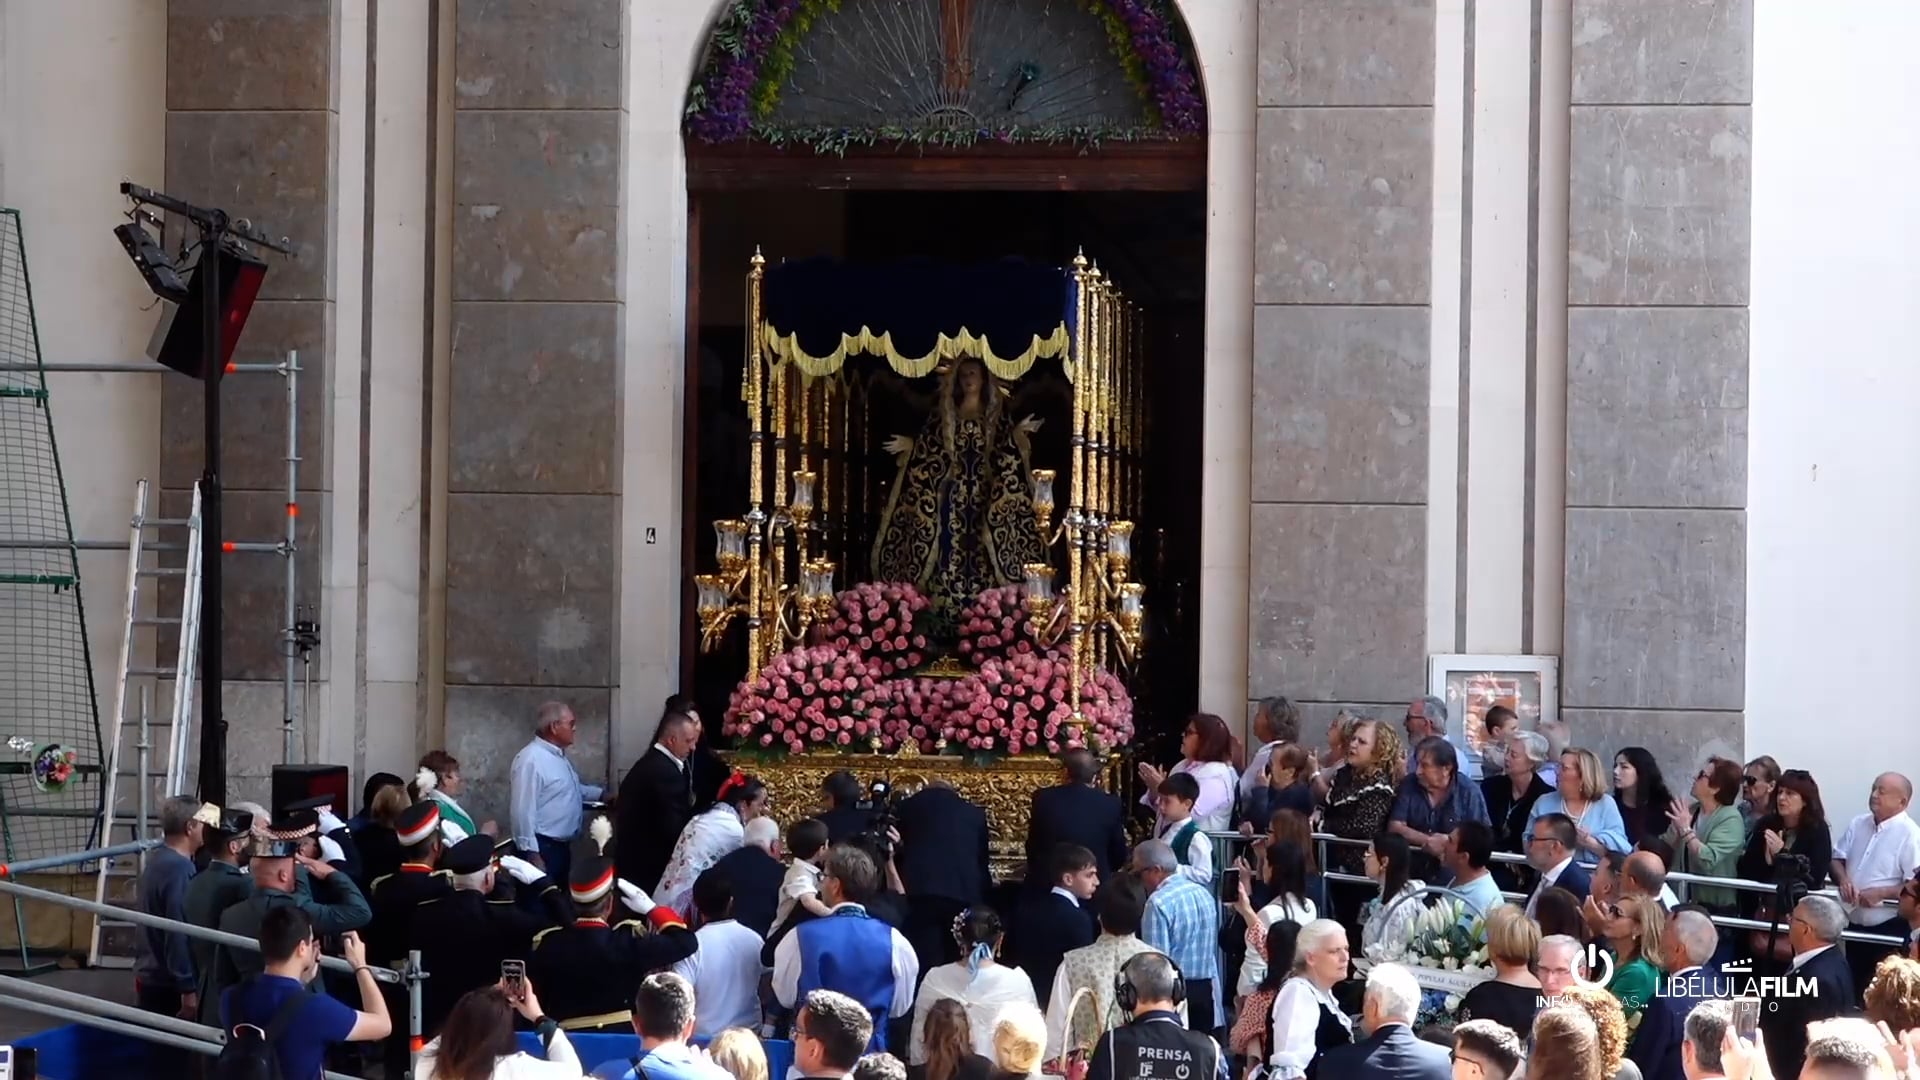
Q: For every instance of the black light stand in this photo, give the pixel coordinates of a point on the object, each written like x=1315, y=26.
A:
x=216, y=230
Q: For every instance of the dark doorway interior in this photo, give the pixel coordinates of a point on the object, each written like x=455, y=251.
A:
x=1151, y=243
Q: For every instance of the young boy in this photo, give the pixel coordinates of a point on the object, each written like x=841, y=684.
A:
x=1192, y=847
x=806, y=841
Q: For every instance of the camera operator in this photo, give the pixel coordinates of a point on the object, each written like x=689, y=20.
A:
x=943, y=864
x=841, y=796
x=1154, y=1044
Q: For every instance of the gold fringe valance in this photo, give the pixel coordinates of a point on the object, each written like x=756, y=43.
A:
x=786, y=347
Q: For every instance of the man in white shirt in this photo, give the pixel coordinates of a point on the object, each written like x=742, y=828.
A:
x=849, y=951
x=725, y=971
x=1275, y=724
x=1876, y=856
x=547, y=795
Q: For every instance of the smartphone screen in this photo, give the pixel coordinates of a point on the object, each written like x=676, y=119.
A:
x=1746, y=1017
x=514, y=974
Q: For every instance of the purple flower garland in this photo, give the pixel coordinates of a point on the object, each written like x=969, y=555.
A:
x=725, y=109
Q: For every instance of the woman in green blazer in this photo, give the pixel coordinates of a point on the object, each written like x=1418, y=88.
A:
x=1634, y=930
x=1708, y=838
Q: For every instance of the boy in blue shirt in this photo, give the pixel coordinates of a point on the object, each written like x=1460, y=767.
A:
x=291, y=954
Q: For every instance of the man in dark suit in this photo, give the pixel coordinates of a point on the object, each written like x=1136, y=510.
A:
x=1390, y=1051
x=756, y=871
x=1550, y=850
x=709, y=770
x=656, y=802
x=843, y=817
x=1075, y=812
x=942, y=858
x=1819, y=983
x=1691, y=941
x=1049, y=924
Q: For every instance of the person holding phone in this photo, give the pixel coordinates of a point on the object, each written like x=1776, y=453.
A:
x=478, y=1042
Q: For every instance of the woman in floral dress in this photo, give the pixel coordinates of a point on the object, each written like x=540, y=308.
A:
x=709, y=837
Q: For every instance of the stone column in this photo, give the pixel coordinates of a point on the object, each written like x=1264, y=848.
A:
x=1343, y=194
x=533, y=507
x=1658, y=240
x=251, y=127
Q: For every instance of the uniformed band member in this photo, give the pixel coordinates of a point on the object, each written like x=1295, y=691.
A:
x=1154, y=1044
x=464, y=935
x=396, y=895
x=587, y=973
x=215, y=889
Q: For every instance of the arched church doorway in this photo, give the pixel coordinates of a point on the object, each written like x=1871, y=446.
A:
x=956, y=133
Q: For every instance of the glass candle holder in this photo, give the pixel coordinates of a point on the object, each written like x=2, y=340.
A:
x=1043, y=491
x=1119, y=544
x=1131, y=600
x=730, y=544
x=712, y=593
x=803, y=482
x=816, y=580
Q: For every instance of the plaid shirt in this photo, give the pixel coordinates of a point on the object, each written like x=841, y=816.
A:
x=1183, y=921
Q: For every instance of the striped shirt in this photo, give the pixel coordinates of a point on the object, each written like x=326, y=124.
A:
x=1183, y=921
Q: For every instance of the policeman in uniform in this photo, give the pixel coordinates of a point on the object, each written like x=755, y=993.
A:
x=213, y=890
x=1154, y=1044
x=587, y=974
x=464, y=935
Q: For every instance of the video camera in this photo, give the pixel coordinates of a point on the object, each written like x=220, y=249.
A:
x=882, y=802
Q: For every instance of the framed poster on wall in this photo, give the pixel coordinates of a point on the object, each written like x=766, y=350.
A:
x=1472, y=683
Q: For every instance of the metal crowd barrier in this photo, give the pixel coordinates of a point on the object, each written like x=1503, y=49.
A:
x=1228, y=845
x=126, y=1020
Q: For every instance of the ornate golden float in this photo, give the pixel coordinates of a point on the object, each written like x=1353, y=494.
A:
x=873, y=699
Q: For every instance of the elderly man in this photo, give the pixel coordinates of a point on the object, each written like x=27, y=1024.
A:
x=335, y=907
x=1656, y=1047
x=1819, y=983
x=1431, y=803
x=164, y=979
x=1871, y=861
x=1391, y=1050
x=1562, y=959
x=1427, y=719
x=1183, y=921
x=756, y=872
x=548, y=796
x=1705, y=1033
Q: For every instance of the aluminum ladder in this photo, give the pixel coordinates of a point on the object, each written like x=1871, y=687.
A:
x=131, y=757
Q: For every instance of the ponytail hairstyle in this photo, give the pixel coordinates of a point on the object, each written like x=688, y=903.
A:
x=978, y=932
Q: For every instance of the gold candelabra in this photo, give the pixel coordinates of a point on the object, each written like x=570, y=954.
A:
x=1100, y=608
x=753, y=580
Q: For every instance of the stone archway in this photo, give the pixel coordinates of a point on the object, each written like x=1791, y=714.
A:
x=664, y=58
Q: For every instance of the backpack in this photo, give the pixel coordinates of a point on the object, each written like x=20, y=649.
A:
x=250, y=1053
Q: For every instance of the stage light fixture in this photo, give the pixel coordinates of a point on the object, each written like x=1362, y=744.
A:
x=162, y=276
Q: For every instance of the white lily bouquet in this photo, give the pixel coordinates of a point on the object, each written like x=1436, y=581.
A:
x=1447, y=952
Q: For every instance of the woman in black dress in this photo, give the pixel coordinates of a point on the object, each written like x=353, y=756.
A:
x=1357, y=806
x=1792, y=844
x=1510, y=796
x=1513, y=996
x=1641, y=792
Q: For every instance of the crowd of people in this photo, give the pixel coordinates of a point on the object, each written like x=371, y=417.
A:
x=1257, y=931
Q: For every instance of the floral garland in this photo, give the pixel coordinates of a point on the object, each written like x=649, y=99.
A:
x=753, y=55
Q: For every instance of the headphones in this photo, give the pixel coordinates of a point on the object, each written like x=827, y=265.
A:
x=1127, y=996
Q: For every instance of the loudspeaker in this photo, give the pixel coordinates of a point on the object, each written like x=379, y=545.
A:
x=176, y=341
x=294, y=783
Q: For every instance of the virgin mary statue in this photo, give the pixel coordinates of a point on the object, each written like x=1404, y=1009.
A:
x=960, y=517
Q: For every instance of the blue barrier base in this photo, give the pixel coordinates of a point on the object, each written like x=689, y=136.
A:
x=600, y=1053
x=78, y=1052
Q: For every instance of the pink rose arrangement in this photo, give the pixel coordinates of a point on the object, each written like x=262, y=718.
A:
x=876, y=620
x=1020, y=705
x=812, y=696
x=996, y=625
x=853, y=689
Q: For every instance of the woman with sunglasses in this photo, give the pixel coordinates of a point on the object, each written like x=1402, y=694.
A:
x=1635, y=930
x=1708, y=837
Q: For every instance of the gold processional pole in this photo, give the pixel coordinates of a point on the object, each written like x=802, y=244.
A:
x=756, y=516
